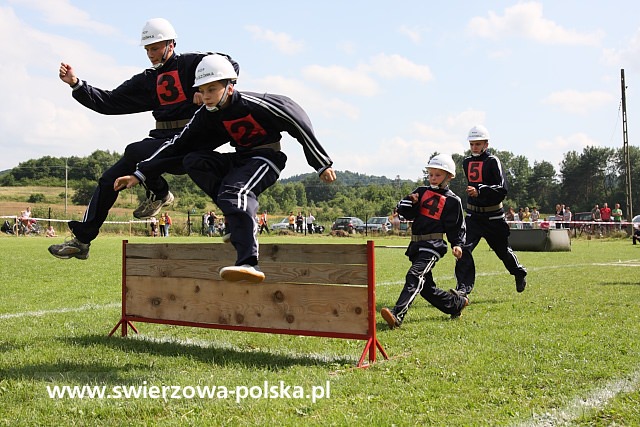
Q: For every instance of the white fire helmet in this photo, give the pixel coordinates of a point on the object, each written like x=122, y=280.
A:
x=213, y=68
x=157, y=30
x=478, y=133
x=443, y=162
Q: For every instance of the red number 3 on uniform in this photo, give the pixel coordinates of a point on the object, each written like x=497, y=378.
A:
x=432, y=204
x=169, y=88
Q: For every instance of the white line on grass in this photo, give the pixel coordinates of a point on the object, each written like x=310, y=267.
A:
x=619, y=263
x=58, y=311
x=597, y=399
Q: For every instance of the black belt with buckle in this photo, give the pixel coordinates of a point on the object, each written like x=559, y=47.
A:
x=422, y=237
x=172, y=124
x=483, y=209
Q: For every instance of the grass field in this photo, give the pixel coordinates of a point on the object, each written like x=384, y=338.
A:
x=564, y=352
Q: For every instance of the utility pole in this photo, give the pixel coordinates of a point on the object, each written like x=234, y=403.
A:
x=66, y=184
x=625, y=149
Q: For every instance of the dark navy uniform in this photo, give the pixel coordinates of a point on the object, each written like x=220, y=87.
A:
x=485, y=219
x=437, y=213
x=167, y=92
x=253, y=123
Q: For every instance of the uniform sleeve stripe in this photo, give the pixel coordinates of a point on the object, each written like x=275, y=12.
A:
x=308, y=140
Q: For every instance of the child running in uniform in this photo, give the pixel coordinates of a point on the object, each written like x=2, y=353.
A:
x=252, y=123
x=436, y=211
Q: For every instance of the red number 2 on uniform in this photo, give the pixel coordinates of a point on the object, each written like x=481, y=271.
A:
x=244, y=130
x=432, y=204
x=474, y=171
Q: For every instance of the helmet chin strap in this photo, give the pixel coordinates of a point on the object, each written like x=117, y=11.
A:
x=222, y=100
x=164, y=57
x=440, y=186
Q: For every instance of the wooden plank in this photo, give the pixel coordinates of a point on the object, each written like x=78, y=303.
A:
x=320, y=308
x=225, y=253
x=276, y=272
x=269, y=253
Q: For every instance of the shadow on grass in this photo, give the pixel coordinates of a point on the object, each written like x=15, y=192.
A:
x=619, y=283
x=218, y=356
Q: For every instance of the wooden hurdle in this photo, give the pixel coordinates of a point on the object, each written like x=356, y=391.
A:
x=323, y=290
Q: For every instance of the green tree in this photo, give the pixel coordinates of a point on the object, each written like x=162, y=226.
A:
x=542, y=186
x=83, y=191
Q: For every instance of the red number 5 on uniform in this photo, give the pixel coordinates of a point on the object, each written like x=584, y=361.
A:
x=474, y=171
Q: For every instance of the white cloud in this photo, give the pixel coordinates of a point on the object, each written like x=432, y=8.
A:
x=359, y=81
x=627, y=56
x=576, y=102
x=38, y=112
x=282, y=41
x=61, y=12
x=342, y=79
x=320, y=103
x=414, y=34
x=526, y=20
x=499, y=54
x=396, y=66
x=347, y=47
x=563, y=144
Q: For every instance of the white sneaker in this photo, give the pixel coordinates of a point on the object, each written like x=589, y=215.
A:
x=152, y=206
x=235, y=273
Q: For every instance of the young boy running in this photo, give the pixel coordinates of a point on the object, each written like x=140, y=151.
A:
x=436, y=211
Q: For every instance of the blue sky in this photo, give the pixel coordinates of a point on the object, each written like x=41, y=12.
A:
x=385, y=84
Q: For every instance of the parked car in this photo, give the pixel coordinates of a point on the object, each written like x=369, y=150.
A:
x=348, y=224
x=582, y=216
x=283, y=224
x=635, y=232
x=378, y=224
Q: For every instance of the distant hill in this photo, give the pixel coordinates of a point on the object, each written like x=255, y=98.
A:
x=348, y=178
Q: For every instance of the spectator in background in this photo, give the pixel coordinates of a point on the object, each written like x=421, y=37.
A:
x=212, y=218
x=167, y=224
x=395, y=220
x=310, y=220
x=510, y=215
x=153, y=223
x=52, y=233
x=299, y=223
x=616, y=213
x=596, y=217
x=526, y=217
x=518, y=217
x=567, y=217
x=161, y=225
x=544, y=224
x=205, y=223
x=605, y=215
x=535, y=216
x=559, y=216
x=264, y=223
x=25, y=217
x=292, y=222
